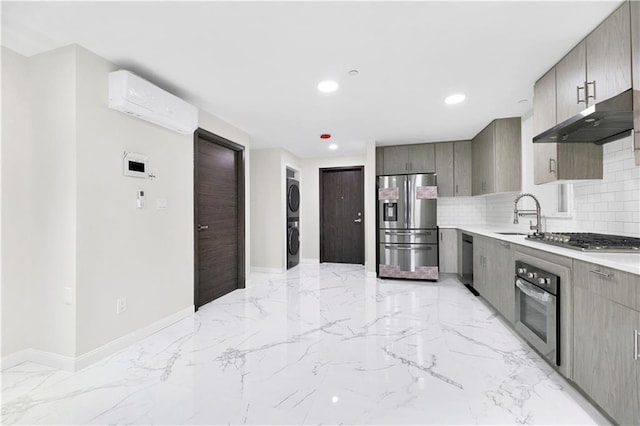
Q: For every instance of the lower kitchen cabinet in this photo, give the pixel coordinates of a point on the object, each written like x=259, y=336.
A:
x=606, y=364
x=493, y=274
x=448, y=250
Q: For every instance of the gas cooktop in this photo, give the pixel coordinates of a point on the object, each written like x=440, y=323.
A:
x=589, y=242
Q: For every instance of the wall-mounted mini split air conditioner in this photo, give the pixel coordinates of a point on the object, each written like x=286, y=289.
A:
x=135, y=96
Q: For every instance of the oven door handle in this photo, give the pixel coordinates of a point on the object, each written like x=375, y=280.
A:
x=533, y=291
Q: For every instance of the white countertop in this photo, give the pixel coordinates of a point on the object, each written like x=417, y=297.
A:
x=628, y=262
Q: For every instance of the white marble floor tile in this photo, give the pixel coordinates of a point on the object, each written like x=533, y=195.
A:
x=320, y=344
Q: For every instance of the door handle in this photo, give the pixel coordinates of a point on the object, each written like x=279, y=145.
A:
x=636, y=334
x=551, y=168
x=202, y=227
x=358, y=220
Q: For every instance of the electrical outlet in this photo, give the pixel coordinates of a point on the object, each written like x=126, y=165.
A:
x=121, y=305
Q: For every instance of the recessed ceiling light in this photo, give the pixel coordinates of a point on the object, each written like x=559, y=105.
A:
x=455, y=99
x=353, y=73
x=327, y=86
x=333, y=147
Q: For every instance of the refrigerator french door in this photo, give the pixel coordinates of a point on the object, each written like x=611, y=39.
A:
x=408, y=235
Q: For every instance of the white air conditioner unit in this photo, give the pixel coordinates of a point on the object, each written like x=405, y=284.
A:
x=136, y=96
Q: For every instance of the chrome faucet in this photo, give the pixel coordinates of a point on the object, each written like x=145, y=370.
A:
x=536, y=212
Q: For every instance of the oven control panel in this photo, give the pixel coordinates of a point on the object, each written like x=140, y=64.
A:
x=538, y=277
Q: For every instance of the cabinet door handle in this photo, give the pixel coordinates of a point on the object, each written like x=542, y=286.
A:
x=602, y=274
x=578, y=88
x=635, y=345
x=552, y=163
x=588, y=92
x=456, y=189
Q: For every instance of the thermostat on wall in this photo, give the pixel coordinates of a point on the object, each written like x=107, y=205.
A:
x=135, y=165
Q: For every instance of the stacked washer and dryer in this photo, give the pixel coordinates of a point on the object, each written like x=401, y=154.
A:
x=293, y=222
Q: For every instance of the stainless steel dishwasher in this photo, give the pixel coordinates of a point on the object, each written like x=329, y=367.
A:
x=467, y=263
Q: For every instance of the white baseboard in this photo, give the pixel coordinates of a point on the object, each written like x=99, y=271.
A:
x=310, y=261
x=114, y=346
x=260, y=269
x=371, y=274
x=72, y=364
x=49, y=359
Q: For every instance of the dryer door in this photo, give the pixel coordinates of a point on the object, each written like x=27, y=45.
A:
x=293, y=241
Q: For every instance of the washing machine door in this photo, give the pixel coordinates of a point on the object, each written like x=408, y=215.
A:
x=293, y=241
x=293, y=197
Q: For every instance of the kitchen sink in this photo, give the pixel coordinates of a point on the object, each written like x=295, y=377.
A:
x=511, y=233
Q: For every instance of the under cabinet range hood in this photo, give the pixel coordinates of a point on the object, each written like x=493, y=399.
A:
x=603, y=122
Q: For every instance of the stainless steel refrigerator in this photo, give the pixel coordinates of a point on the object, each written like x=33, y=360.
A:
x=407, y=226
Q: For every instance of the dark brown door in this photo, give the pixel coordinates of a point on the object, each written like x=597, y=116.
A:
x=219, y=217
x=342, y=215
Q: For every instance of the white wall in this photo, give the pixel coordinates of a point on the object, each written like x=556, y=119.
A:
x=268, y=208
x=266, y=205
x=145, y=255
x=17, y=202
x=87, y=233
x=54, y=174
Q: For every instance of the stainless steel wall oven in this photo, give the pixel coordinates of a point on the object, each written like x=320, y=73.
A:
x=537, y=309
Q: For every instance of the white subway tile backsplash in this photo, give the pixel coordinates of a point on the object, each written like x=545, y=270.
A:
x=624, y=216
x=611, y=205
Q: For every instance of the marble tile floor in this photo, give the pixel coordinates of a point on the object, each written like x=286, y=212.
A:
x=320, y=344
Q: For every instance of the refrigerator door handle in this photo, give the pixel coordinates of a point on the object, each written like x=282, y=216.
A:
x=406, y=203
x=409, y=206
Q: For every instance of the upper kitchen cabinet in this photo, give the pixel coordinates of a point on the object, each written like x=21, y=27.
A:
x=453, y=166
x=608, y=55
x=462, y=168
x=598, y=68
x=559, y=162
x=445, y=168
x=571, y=77
x=403, y=159
x=379, y=161
x=635, y=57
x=496, y=154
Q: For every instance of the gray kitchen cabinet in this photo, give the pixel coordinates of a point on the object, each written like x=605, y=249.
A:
x=395, y=160
x=493, y=274
x=571, y=75
x=557, y=162
x=453, y=166
x=448, y=250
x=480, y=279
x=379, y=161
x=598, y=68
x=402, y=159
x=608, y=55
x=445, y=169
x=496, y=154
x=605, y=355
x=635, y=58
x=422, y=158
x=500, y=275
x=462, y=168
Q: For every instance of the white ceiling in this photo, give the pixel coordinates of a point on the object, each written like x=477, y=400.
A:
x=256, y=64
